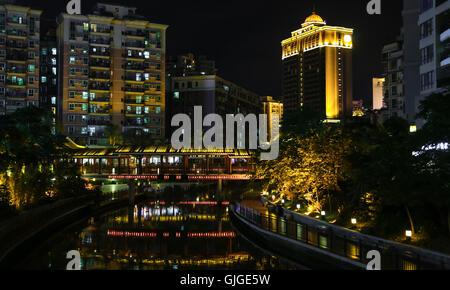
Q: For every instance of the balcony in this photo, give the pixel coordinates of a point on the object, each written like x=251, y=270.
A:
x=16, y=70
x=134, y=66
x=97, y=86
x=100, y=41
x=138, y=33
x=135, y=89
x=102, y=30
x=134, y=54
x=100, y=99
x=16, y=55
x=19, y=33
x=132, y=122
x=94, y=122
x=98, y=52
x=134, y=101
x=99, y=75
x=102, y=111
x=16, y=45
x=17, y=20
x=135, y=44
x=100, y=63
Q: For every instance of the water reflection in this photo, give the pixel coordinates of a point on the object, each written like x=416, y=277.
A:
x=155, y=236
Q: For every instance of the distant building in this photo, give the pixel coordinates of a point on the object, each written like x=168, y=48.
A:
x=215, y=94
x=392, y=58
x=186, y=65
x=112, y=71
x=271, y=107
x=378, y=93
x=317, y=68
x=19, y=57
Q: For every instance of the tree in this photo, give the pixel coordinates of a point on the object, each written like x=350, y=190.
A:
x=114, y=134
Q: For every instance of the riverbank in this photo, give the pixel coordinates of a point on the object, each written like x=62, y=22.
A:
x=287, y=230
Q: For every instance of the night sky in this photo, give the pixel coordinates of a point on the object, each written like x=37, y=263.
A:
x=244, y=37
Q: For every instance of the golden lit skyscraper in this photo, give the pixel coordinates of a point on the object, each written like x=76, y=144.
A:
x=317, y=68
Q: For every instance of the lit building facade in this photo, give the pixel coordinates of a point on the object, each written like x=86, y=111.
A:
x=317, y=69
x=272, y=107
x=377, y=93
x=19, y=57
x=112, y=71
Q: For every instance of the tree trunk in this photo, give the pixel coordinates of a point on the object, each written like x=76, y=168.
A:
x=410, y=220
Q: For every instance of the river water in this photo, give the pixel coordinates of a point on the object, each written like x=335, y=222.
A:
x=154, y=235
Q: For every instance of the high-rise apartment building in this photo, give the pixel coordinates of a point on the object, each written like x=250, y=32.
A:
x=392, y=60
x=112, y=71
x=317, y=68
x=48, y=83
x=434, y=45
x=19, y=57
x=411, y=57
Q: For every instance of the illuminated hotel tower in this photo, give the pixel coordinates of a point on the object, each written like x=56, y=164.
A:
x=317, y=68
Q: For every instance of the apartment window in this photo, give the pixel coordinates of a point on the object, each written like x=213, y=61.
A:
x=53, y=100
x=31, y=80
x=44, y=51
x=158, y=110
x=72, y=60
x=176, y=95
x=31, y=54
x=54, y=51
x=72, y=71
x=84, y=107
x=2, y=66
x=394, y=91
x=85, y=95
x=426, y=28
x=71, y=118
x=30, y=92
x=31, y=68
x=71, y=83
x=427, y=54
x=31, y=44
x=53, y=61
x=71, y=130
x=425, y=5
x=54, y=70
x=71, y=94
x=426, y=81
x=85, y=84
x=43, y=80
x=138, y=110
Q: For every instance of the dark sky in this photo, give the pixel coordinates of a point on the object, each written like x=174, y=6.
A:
x=244, y=37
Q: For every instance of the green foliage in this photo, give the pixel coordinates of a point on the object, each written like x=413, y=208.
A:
x=368, y=171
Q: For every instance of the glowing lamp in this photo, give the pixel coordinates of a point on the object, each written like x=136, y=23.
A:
x=298, y=206
x=413, y=129
x=282, y=201
x=347, y=38
x=408, y=234
x=354, y=221
x=322, y=213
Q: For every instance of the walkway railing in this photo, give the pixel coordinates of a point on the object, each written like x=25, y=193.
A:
x=343, y=242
